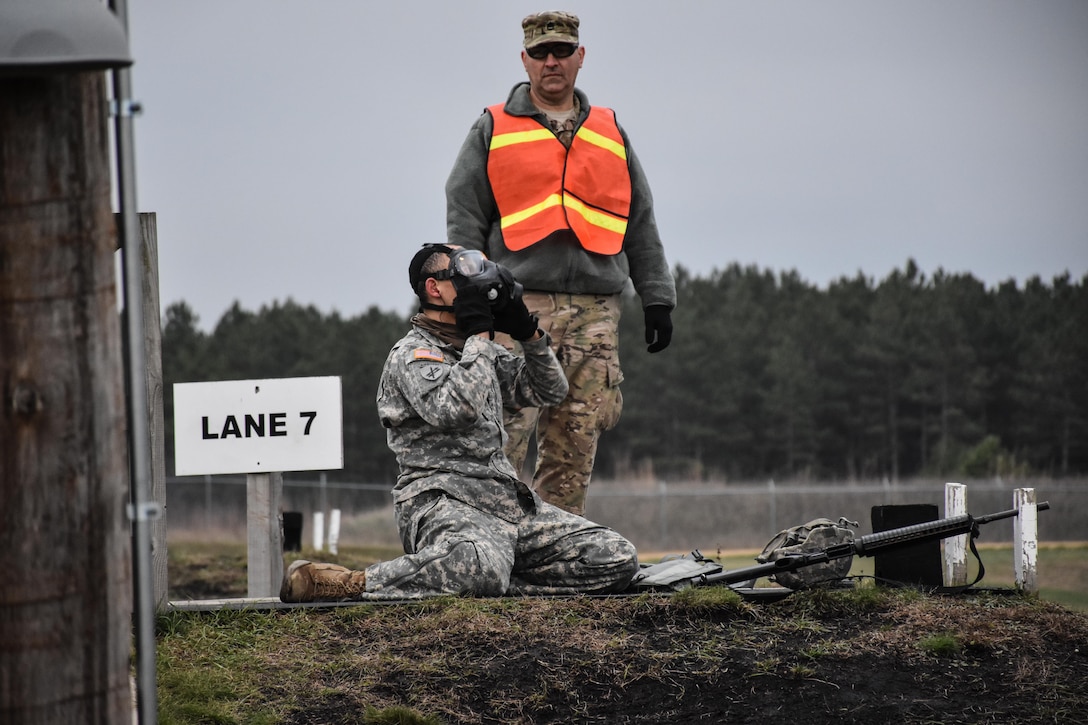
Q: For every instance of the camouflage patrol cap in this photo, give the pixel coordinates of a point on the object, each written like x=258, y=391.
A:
x=552, y=26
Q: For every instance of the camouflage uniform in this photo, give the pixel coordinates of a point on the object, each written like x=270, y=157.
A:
x=584, y=333
x=468, y=525
x=572, y=282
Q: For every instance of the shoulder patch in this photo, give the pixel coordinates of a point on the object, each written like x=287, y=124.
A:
x=427, y=353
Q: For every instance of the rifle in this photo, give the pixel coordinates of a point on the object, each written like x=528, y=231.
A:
x=869, y=545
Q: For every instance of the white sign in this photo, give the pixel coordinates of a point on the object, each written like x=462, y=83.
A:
x=258, y=426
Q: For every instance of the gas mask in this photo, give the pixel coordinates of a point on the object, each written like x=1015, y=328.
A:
x=470, y=269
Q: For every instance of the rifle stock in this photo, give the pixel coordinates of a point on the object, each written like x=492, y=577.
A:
x=868, y=545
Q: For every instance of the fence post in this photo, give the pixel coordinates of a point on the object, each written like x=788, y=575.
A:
x=152, y=342
x=955, y=547
x=1025, y=540
x=319, y=531
x=334, y=530
x=265, y=533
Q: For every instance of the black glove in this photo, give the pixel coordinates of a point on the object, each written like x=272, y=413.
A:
x=472, y=310
x=514, y=318
x=659, y=325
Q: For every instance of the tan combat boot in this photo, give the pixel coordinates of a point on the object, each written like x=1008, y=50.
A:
x=309, y=582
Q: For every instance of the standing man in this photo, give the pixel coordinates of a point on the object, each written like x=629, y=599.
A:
x=549, y=187
x=467, y=523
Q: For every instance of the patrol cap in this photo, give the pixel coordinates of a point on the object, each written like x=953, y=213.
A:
x=552, y=26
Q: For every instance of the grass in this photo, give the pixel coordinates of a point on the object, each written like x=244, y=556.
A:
x=702, y=654
x=942, y=644
x=684, y=656
x=208, y=665
x=1062, y=574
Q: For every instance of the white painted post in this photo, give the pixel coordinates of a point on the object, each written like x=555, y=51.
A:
x=1025, y=540
x=334, y=530
x=955, y=547
x=319, y=531
x=264, y=527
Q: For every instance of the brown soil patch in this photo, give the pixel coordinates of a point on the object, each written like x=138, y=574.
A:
x=815, y=657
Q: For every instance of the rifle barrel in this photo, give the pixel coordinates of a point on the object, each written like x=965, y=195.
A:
x=871, y=544
x=1041, y=506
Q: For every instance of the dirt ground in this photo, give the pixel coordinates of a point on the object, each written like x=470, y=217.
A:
x=813, y=658
x=857, y=655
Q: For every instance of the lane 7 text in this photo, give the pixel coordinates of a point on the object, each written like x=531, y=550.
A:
x=259, y=426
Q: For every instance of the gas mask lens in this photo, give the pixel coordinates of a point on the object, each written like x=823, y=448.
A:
x=479, y=272
x=468, y=262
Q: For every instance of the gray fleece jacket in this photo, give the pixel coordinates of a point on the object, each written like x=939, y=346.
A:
x=558, y=263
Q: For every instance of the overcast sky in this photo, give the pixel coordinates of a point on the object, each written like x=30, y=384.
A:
x=300, y=150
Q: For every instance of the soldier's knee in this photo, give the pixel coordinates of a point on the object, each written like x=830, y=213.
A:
x=630, y=557
x=625, y=564
x=484, y=573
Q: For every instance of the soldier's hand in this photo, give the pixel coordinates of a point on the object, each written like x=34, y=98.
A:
x=514, y=318
x=472, y=311
x=658, y=327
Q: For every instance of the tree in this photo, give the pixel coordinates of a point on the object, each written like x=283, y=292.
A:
x=795, y=387
x=841, y=419
x=1050, y=376
x=948, y=379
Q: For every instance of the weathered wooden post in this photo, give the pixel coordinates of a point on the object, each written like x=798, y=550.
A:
x=152, y=345
x=152, y=342
x=66, y=605
x=955, y=547
x=1025, y=540
x=264, y=533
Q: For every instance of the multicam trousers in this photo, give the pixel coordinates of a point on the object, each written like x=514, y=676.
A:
x=454, y=548
x=585, y=337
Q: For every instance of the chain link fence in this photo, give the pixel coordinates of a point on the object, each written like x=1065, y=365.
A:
x=657, y=517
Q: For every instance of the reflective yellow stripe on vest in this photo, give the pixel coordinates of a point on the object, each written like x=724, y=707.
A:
x=605, y=143
x=594, y=217
x=507, y=139
x=518, y=216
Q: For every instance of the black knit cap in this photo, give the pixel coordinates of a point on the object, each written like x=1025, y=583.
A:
x=415, y=267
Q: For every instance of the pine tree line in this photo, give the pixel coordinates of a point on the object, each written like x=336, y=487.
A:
x=767, y=376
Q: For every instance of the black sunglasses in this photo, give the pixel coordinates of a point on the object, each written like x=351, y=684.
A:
x=559, y=50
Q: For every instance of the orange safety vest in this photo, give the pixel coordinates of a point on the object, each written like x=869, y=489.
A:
x=540, y=186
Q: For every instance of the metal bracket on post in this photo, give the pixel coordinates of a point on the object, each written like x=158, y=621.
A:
x=144, y=511
x=125, y=108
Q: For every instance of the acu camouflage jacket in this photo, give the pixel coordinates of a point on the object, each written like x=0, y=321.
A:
x=443, y=408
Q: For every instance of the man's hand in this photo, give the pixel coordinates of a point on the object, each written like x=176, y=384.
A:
x=514, y=318
x=658, y=327
x=472, y=311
